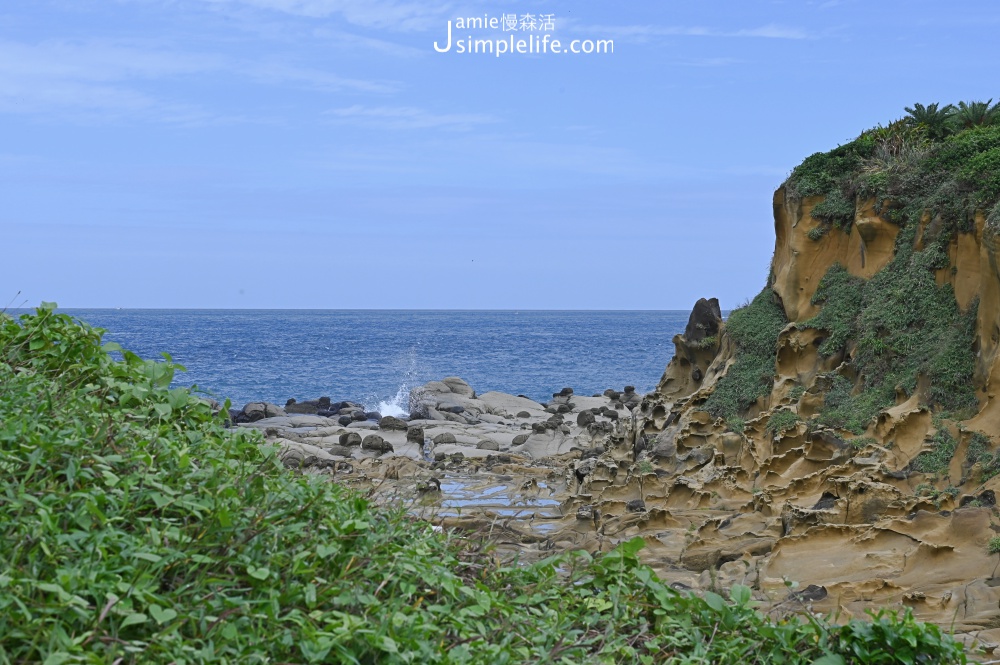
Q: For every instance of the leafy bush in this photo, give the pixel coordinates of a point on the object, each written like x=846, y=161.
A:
x=994, y=545
x=978, y=453
x=134, y=527
x=835, y=209
x=902, y=325
x=818, y=233
x=754, y=329
x=938, y=460
x=781, y=421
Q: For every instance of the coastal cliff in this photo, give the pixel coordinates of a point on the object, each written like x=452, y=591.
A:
x=840, y=430
x=832, y=444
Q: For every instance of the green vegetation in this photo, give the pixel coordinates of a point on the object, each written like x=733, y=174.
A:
x=754, y=328
x=938, y=460
x=900, y=325
x=862, y=442
x=781, y=421
x=135, y=528
x=943, y=161
x=978, y=452
x=995, y=545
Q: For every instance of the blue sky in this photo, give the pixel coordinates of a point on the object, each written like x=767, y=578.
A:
x=322, y=154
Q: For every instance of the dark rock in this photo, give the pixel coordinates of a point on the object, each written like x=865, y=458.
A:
x=415, y=435
x=629, y=390
x=488, y=445
x=826, y=502
x=585, y=418
x=359, y=416
x=345, y=420
x=538, y=428
x=444, y=437
x=810, y=594
x=255, y=411
x=350, y=439
x=376, y=443
x=636, y=506
x=440, y=457
x=373, y=415
x=430, y=485
x=611, y=414
x=523, y=414
x=985, y=499
x=392, y=423
x=706, y=316
x=611, y=393
x=457, y=457
x=565, y=392
x=564, y=408
x=520, y=439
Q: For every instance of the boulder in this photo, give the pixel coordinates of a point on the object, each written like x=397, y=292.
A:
x=392, y=423
x=415, y=435
x=443, y=437
x=255, y=411
x=585, y=418
x=350, y=439
x=520, y=438
x=705, y=319
x=376, y=443
x=489, y=444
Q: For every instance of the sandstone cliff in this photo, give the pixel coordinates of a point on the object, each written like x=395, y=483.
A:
x=898, y=510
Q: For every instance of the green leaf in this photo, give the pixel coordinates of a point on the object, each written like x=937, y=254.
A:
x=57, y=658
x=261, y=573
x=133, y=619
x=162, y=615
x=715, y=601
x=830, y=659
x=740, y=594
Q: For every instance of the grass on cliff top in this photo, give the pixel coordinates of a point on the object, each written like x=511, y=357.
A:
x=754, y=329
x=134, y=528
x=899, y=326
x=944, y=163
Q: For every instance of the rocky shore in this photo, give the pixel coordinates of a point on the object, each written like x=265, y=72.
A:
x=895, y=511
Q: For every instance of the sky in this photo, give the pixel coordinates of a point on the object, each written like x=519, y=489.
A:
x=340, y=154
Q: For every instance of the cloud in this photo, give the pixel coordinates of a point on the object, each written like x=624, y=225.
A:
x=94, y=80
x=408, y=117
x=643, y=32
x=383, y=14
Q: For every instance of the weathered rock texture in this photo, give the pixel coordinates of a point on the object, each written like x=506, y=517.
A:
x=767, y=500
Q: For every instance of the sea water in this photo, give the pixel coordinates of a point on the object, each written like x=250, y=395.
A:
x=376, y=356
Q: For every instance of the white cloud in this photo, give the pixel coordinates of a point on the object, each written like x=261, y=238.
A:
x=385, y=14
x=89, y=80
x=408, y=117
x=770, y=31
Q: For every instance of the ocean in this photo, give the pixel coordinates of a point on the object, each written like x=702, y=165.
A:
x=376, y=356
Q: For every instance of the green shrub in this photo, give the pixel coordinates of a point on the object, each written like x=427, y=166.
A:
x=135, y=528
x=781, y=421
x=978, y=452
x=994, y=546
x=938, y=459
x=754, y=329
x=818, y=233
x=835, y=209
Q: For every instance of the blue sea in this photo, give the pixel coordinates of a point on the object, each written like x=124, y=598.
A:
x=376, y=356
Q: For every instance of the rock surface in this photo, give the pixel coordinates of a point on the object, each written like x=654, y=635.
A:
x=846, y=516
